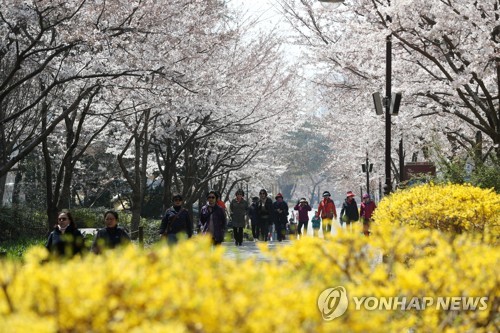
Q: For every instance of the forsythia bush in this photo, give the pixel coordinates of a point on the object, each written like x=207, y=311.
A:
x=193, y=287
x=454, y=208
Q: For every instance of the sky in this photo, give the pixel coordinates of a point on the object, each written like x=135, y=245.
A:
x=262, y=8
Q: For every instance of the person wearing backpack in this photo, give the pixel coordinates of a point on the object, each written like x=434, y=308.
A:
x=176, y=221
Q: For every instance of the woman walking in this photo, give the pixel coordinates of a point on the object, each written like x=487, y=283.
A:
x=349, y=213
x=303, y=208
x=238, y=208
x=65, y=240
x=213, y=219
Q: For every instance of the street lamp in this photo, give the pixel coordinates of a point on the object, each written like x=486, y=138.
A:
x=390, y=102
x=367, y=167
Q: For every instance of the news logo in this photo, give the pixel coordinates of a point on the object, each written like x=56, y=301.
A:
x=333, y=302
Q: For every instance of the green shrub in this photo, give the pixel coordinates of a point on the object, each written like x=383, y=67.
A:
x=19, y=222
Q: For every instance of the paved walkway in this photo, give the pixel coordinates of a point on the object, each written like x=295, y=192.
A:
x=249, y=249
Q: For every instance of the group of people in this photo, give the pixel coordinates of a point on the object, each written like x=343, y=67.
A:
x=266, y=217
x=327, y=213
x=65, y=240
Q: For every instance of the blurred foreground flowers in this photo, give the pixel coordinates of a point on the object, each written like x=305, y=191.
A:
x=193, y=287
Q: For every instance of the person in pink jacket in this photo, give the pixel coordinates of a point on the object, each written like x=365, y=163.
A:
x=366, y=211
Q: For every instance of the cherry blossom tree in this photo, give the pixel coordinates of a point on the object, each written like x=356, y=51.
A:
x=184, y=78
x=444, y=61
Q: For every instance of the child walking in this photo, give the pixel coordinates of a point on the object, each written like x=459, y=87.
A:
x=316, y=223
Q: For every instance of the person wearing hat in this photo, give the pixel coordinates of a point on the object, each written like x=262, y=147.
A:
x=366, y=211
x=238, y=208
x=252, y=214
x=176, y=221
x=349, y=212
x=328, y=212
x=280, y=208
x=303, y=208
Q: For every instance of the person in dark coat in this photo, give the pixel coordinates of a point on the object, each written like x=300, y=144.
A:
x=65, y=240
x=176, y=221
x=213, y=219
x=252, y=213
x=349, y=213
x=238, y=208
x=264, y=214
x=280, y=208
x=111, y=236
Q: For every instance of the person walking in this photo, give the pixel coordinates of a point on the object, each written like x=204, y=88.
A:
x=264, y=214
x=238, y=208
x=349, y=213
x=303, y=209
x=252, y=213
x=65, y=240
x=316, y=222
x=111, y=236
x=366, y=212
x=328, y=212
x=213, y=219
x=280, y=208
x=176, y=221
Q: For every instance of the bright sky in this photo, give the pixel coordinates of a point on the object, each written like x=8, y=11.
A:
x=262, y=8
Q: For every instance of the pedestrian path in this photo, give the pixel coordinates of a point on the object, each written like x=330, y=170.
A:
x=249, y=249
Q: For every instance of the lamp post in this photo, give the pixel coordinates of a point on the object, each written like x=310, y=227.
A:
x=390, y=103
x=388, y=83
x=367, y=167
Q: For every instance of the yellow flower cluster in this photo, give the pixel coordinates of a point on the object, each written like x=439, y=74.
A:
x=193, y=287
x=452, y=207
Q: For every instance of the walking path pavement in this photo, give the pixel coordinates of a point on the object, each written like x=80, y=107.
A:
x=250, y=249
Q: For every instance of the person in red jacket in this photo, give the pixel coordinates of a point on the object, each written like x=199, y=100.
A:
x=366, y=211
x=328, y=212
